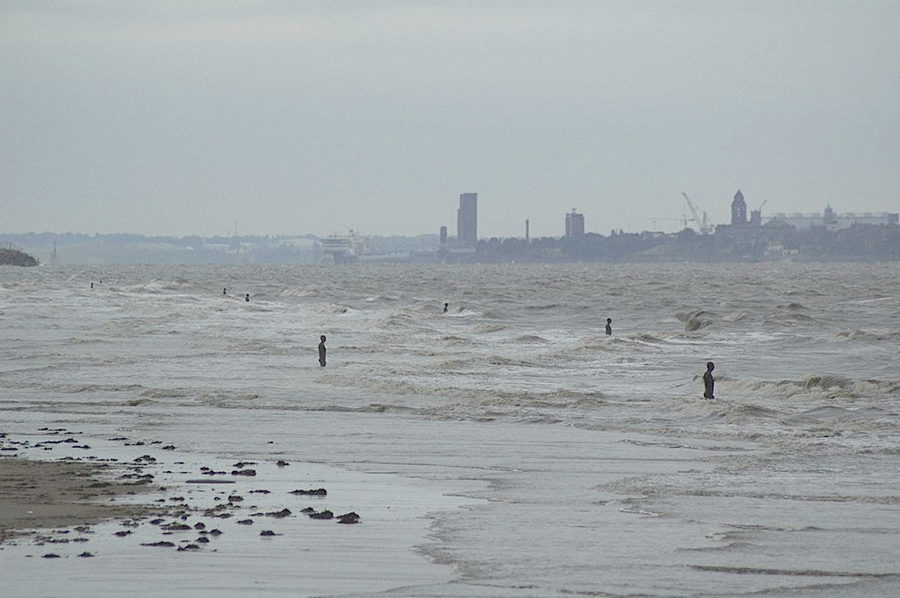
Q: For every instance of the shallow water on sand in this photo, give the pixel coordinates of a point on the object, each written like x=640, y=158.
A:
x=506, y=448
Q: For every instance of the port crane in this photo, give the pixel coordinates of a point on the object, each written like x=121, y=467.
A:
x=702, y=223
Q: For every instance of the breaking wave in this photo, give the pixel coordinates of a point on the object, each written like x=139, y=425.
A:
x=488, y=328
x=811, y=387
x=298, y=292
x=530, y=339
x=334, y=310
x=696, y=319
x=868, y=335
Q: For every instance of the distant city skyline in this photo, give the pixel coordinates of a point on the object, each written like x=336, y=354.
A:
x=315, y=117
x=573, y=225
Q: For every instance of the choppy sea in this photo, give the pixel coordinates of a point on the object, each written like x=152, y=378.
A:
x=573, y=463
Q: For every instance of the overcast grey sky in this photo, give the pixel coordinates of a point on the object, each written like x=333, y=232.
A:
x=290, y=117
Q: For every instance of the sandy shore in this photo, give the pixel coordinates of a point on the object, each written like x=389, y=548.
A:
x=45, y=494
x=251, y=519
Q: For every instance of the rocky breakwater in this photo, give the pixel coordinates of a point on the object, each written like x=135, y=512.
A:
x=14, y=257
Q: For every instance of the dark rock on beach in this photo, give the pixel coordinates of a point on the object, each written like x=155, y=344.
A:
x=311, y=492
x=326, y=514
x=350, y=517
x=279, y=514
x=162, y=544
x=208, y=471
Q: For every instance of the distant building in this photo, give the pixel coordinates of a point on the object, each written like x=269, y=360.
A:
x=749, y=237
x=738, y=210
x=467, y=220
x=574, y=224
x=834, y=221
x=443, y=236
x=527, y=231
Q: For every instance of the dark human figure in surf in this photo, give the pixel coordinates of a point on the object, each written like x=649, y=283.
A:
x=247, y=297
x=225, y=291
x=709, y=382
x=609, y=326
x=322, y=351
x=446, y=307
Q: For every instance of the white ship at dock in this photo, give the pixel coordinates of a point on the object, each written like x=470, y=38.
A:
x=341, y=249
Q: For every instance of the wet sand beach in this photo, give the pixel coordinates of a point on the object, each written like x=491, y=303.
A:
x=52, y=494
x=110, y=512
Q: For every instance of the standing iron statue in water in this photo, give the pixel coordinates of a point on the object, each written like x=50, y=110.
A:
x=709, y=382
x=322, y=351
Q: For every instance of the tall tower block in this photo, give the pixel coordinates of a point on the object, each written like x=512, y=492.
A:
x=467, y=220
x=574, y=224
